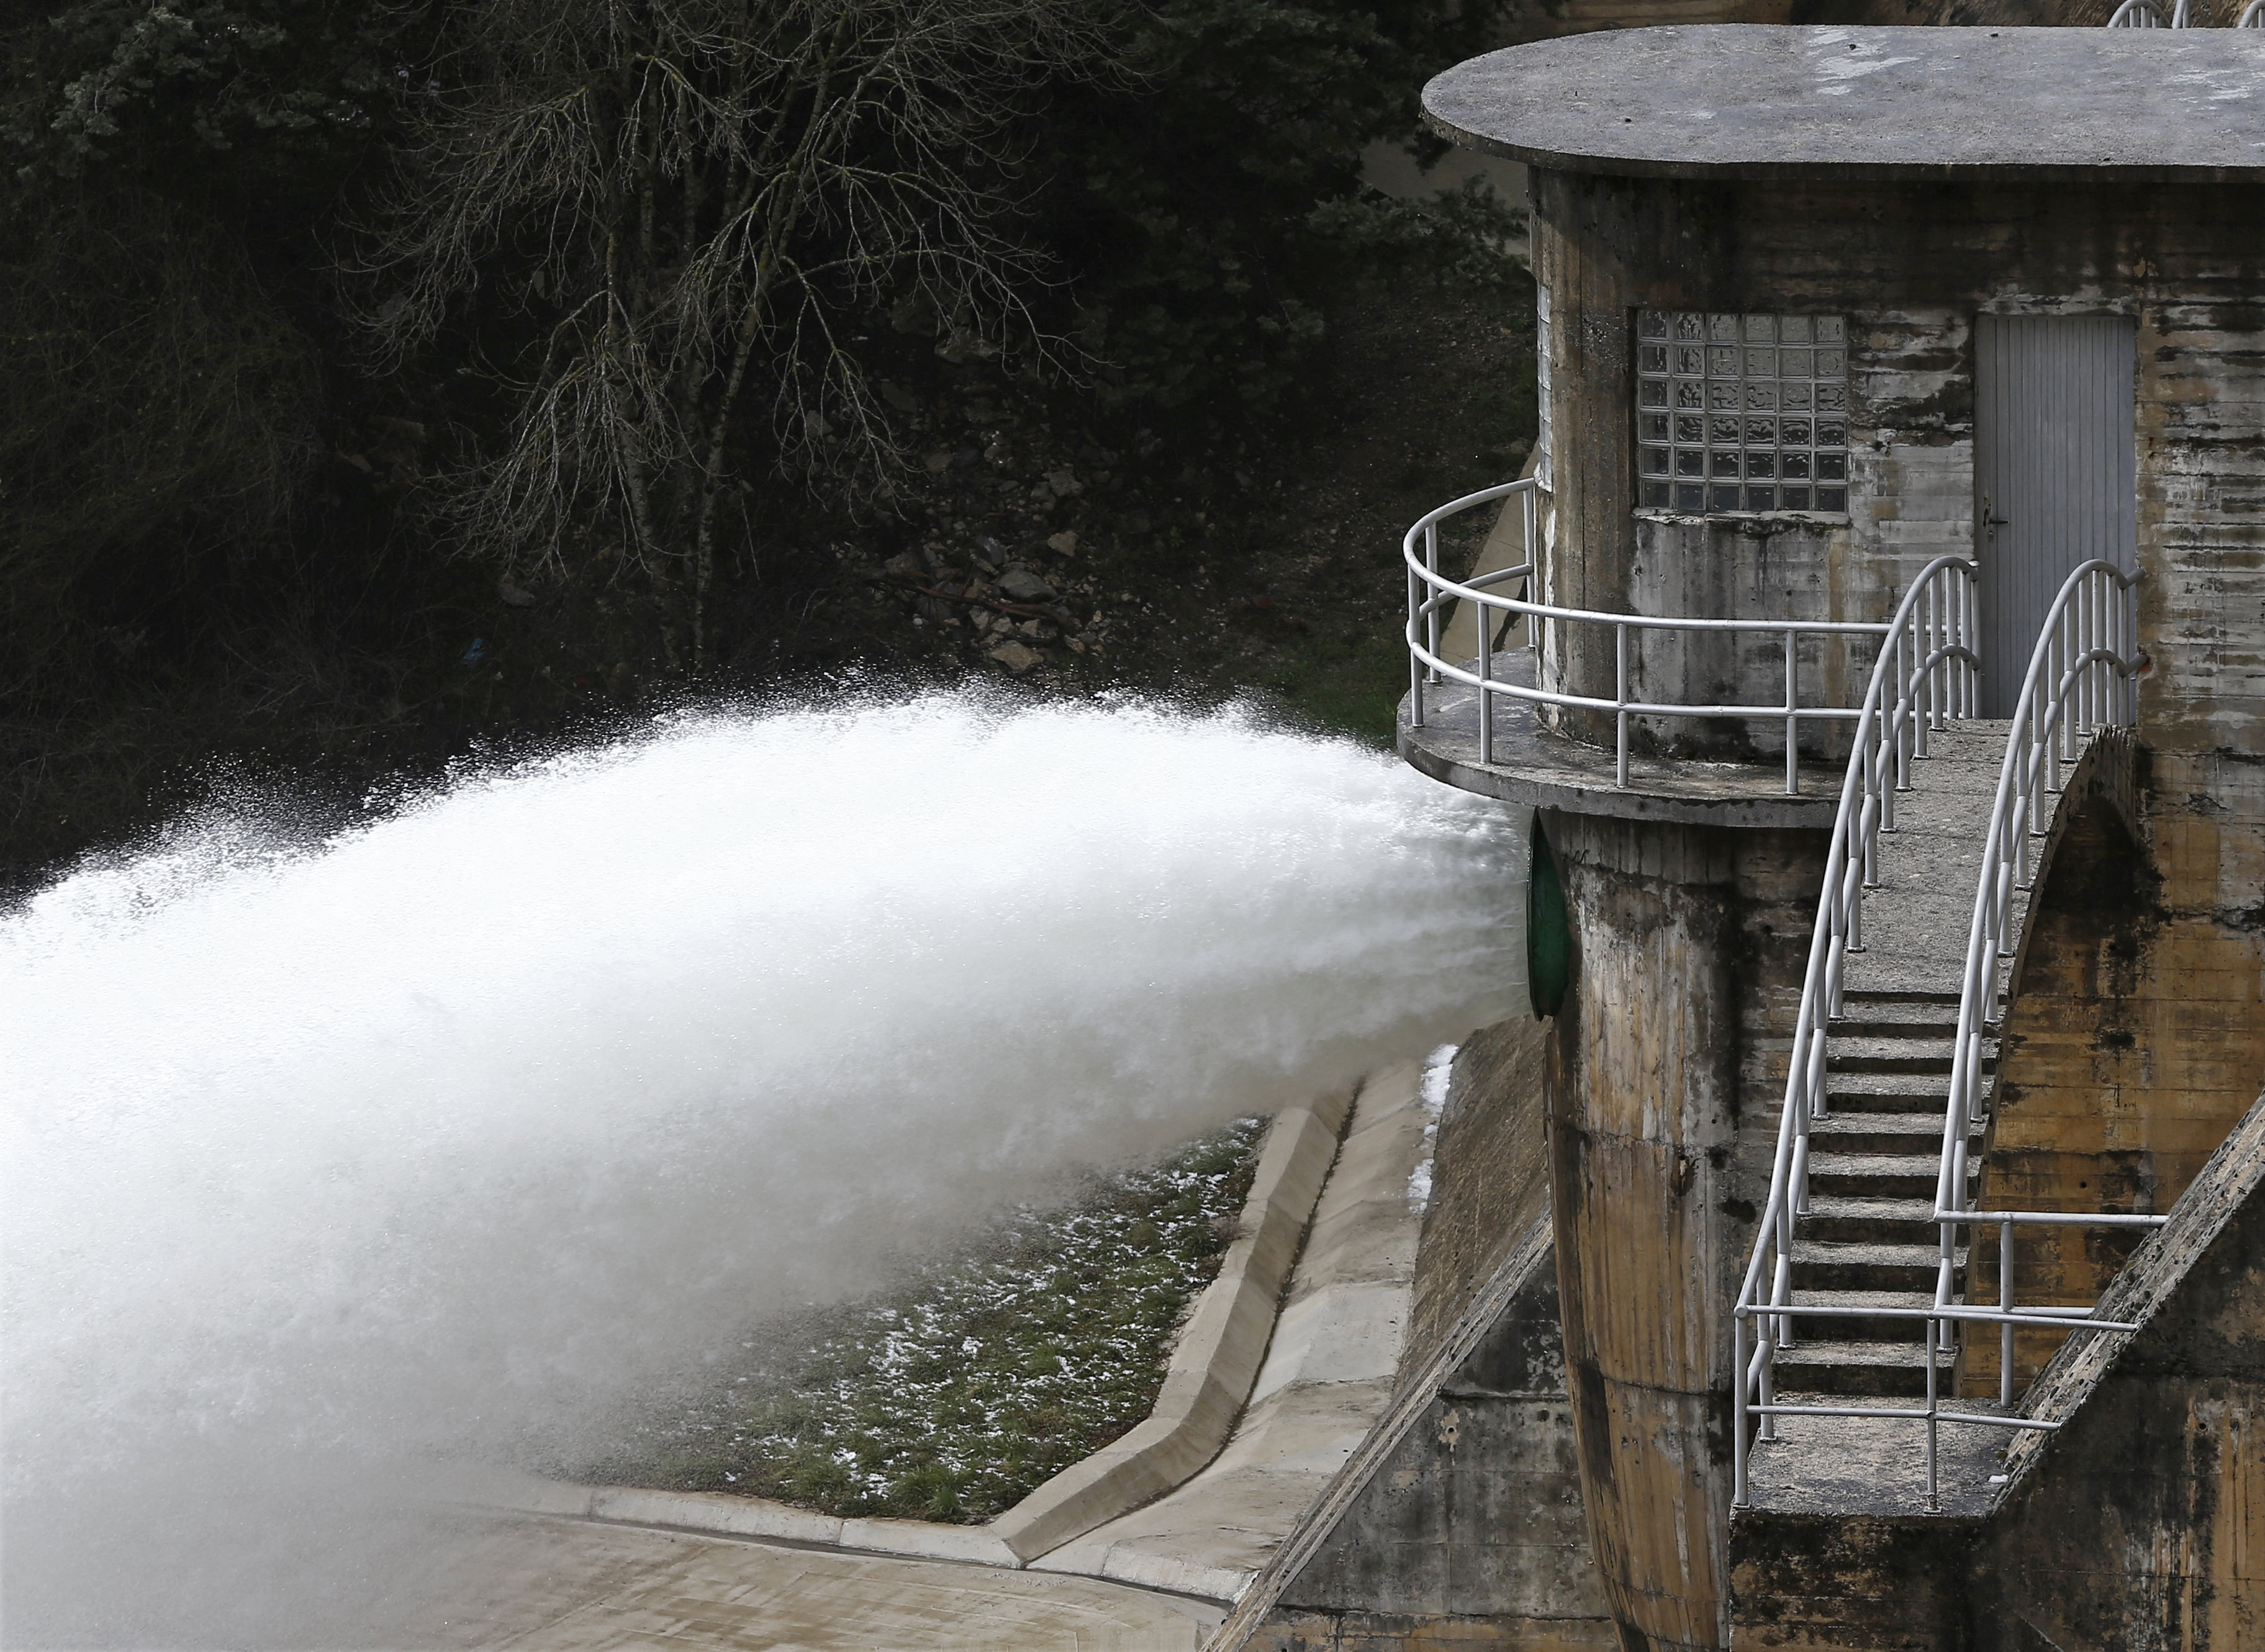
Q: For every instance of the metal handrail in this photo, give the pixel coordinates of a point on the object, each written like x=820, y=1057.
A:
x=1429, y=592
x=2082, y=677
x=1927, y=673
x=2146, y=14
x=2252, y=16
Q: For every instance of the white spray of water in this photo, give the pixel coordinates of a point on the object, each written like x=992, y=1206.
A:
x=437, y=1139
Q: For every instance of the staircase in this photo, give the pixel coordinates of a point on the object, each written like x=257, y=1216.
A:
x=1848, y=1254
x=1869, y=1239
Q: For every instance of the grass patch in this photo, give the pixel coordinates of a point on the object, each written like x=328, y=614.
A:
x=953, y=1395
x=1355, y=690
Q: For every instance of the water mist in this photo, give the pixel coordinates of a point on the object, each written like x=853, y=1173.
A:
x=435, y=1141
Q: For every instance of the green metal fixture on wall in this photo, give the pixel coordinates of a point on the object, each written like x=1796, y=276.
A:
x=1549, y=937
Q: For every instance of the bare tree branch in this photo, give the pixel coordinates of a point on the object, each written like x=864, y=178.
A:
x=700, y=202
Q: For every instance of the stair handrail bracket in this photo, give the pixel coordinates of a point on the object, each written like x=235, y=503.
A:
x=1927, y=673
x=2082, y=677
x=1430, y=593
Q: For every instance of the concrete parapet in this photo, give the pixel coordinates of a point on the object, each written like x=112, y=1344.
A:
x=1458, y=1521
x=1218, y=1357
x=1327, y=1377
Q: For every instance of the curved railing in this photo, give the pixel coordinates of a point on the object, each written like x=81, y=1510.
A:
x=1430, y=593
x=2081, y=678
x=1927, y=675
x=2146, y=14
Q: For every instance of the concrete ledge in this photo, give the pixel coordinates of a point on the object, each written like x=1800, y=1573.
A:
x=1549, y=771
x=729, y=1515
x=713, y=1511
x=1218, y=1357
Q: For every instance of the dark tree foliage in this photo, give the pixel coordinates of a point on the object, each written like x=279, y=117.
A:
x=1209, y=212
x=205, y=476
x=670, y=226
x=166, y=172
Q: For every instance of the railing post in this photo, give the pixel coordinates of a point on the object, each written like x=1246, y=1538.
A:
x=1792, y=718
x=1924, y=620
x=1934, y=1495
x=1740, y=1383
x=2006, y=1302
x=1432, y=609
x=1621, y=717
x=1486, y=681
x=1415, y=660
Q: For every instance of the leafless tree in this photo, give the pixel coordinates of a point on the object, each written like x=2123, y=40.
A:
x=692, y=209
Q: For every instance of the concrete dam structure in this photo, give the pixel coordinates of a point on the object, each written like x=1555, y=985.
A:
x=1877, y=640
x=1856, y=1239
x=1860, y=1244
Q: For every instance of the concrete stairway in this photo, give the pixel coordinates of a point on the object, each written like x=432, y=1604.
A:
x=1867, y=1239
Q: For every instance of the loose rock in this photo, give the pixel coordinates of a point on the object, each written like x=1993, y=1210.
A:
x=1016, y=656
x=1022, y=585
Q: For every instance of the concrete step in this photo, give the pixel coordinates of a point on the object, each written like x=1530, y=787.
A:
x=1879, y=1132
x=1930, y=1056
x=1868, y=1027
x=1858, y=1328
x=1867, y=1368
x=1882, y=1221
x=1825, y=1264
x=1895, y=1020
x=1887, y=1092
x=1890, y=1001
x=1877, y=1175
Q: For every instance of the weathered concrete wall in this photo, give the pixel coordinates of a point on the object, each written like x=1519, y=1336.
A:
x=1686, y=940
x=2139, y=1526
x=1909, y=266
x=1471, y=1532
x=1460, y=1522
x=1489, y=1177
x=2132, y=1044
x=1837, y=1583
x=2136, y=1034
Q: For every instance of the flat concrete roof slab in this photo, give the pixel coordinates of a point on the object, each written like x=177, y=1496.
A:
x=1762, y=101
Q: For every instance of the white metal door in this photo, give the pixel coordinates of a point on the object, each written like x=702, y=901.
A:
x=2053, y=473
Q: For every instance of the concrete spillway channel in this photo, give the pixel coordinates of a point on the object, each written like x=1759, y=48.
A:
x=1287, y=1362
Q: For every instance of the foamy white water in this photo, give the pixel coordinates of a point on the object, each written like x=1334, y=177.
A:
x=440, y=1140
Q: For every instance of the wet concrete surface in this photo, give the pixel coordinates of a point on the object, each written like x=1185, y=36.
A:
x=535, y=1584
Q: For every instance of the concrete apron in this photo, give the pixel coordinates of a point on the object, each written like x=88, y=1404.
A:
x=1257, y=1411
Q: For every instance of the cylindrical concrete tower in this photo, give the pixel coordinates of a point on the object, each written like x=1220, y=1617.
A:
x=1774, y=265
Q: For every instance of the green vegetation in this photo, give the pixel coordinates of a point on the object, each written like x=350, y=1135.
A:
x=952, y=1395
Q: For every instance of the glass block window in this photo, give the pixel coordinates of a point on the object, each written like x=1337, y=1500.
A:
x=1737, y=412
